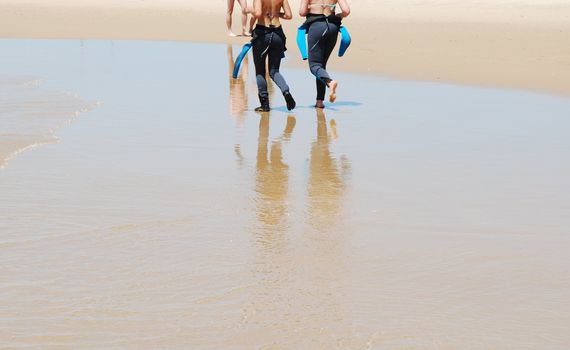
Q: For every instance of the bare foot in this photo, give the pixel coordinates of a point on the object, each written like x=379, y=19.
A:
x=333, y=84
x=246, y=34
x=232, y=34
x=320, y=104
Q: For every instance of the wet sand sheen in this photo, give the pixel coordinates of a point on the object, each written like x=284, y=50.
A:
x=31, y=116
x=409, y=215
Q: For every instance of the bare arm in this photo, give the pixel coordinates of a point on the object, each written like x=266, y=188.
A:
x=304, y=9
x=344, y=8
x=287, y=14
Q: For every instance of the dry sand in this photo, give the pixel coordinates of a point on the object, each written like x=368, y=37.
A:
x=521, y=44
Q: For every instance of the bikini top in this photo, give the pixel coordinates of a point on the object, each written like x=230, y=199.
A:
x=331, y=6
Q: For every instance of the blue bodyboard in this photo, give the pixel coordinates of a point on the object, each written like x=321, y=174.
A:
x=302, y=42
x=345, y=41
x=240, y=58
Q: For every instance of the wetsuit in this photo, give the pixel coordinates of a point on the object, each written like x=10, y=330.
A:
x=322, y=37
x=268, y=42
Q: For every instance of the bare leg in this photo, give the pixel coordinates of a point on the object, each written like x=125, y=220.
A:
x=229, y=14
x=252, y=21
x=244, y=11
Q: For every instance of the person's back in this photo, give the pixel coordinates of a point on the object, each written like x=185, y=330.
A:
x=269, y=12
x=268, y=43
x=322, y=7
x=323, y=25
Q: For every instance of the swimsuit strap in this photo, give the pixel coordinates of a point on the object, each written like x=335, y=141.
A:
x=332, y=6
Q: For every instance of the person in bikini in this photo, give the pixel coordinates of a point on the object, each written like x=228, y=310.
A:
x=268, y=44
x=323, y=23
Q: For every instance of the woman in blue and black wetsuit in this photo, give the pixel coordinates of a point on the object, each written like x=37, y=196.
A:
x=269, y=43
x=323, y=26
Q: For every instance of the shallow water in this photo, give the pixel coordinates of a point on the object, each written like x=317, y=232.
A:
x=31, y=115
x=409, y=215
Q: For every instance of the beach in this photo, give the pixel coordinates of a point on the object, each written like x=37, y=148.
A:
x=507, y=43
x=145, y=205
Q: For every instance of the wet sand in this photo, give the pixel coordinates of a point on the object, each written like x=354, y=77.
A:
x=409, y=215
x=31, y=116
x=502, y=43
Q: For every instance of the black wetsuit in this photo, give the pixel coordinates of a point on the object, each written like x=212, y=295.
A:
x=322, y=37
x=268, y=42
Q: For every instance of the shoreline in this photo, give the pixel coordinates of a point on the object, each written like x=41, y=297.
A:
x=505, y=49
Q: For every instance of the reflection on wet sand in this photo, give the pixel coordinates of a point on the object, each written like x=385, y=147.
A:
x=299, y=273
x=264, y=313
x=327, y=177
x=325, y=250
x=238, y=87
x=272, y=176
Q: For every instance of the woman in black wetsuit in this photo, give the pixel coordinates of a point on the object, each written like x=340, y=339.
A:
x=323, y=26
x=269, y=42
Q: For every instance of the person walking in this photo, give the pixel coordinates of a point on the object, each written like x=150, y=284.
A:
x=268, y=44
x=323, y=25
